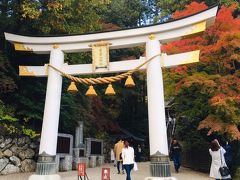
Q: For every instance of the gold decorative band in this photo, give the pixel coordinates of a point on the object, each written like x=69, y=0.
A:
x=21, y=47
x=196, y=28
x=23, y=71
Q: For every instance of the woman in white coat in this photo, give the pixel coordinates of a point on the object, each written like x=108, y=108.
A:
x=217, y=153
x=128, y=159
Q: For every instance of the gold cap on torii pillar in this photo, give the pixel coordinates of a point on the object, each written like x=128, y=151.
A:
x=152, y=36
x=55, y=46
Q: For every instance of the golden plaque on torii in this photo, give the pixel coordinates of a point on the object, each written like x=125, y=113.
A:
x=100, y=55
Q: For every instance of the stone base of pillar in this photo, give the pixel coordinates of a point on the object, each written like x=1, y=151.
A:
x=160, y=178
x=46, y=164
x=45, y=177
x=160, y=169
x=160, y=166
x=46, y=168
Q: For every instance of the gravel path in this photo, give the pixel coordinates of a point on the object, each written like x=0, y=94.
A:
x=95, y=174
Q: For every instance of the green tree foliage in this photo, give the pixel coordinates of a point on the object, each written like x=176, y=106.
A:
x=10, y=126
x=26, y=95
x=100, y=115
x=62, y=16
x=170, y=6
x=133, y=114
x=7, y=83
x=124, y=13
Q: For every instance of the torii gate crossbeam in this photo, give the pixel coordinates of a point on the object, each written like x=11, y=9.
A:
x=164, y=32
x=149, y=35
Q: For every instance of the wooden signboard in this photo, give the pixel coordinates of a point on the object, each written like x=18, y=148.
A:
x=82, y=171
x=100, y=55
x=105, y=173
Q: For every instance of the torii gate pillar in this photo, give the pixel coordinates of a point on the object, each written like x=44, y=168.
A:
x=160, y=166
x=46, y=166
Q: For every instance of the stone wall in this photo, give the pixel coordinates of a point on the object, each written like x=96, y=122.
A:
x=17, y=155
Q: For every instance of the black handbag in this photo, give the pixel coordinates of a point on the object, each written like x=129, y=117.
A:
x=224, y=171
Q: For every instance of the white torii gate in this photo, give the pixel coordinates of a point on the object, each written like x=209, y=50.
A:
x=149, y=35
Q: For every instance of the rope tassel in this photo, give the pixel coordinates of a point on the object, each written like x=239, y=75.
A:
x=129, y=82
x=72, y=88
x=110, y=91
x=91, y=92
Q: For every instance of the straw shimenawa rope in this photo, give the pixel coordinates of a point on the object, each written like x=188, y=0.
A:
x=103, y=80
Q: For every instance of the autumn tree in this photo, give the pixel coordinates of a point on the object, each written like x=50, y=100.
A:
x=170, y=7
x=212, y=85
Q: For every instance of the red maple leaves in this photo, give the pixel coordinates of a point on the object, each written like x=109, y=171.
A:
x=192, y=8
x=217, y=73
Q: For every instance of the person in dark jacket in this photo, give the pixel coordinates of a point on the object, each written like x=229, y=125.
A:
x=175, y=153
x=228, y=155
x=138, y=153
